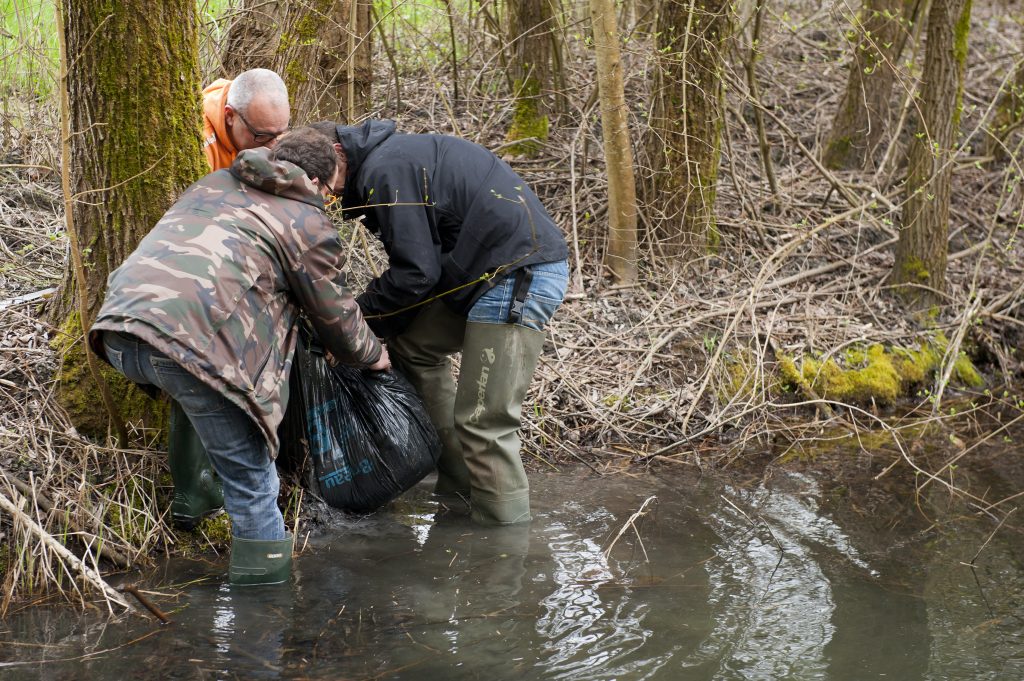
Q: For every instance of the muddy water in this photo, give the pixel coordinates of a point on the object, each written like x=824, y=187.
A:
x=789, y=577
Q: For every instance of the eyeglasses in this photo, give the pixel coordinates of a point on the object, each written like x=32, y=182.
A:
x=259, y=136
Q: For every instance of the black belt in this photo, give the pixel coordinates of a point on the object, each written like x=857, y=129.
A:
x=524, y=277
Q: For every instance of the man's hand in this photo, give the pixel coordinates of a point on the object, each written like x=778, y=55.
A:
x=384, y=363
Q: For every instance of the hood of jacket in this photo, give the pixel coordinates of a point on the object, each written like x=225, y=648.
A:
x=359, y=140
x=255, y=168
x=215, y=98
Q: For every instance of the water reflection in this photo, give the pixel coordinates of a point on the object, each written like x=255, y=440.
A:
x=587, y=633
x=782, y=579
x=773, y=605
x=249, y=624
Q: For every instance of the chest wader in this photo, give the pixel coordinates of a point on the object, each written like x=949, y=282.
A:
x=197, y=493
x=498, y=361
x=423, y=353
x=478, y=420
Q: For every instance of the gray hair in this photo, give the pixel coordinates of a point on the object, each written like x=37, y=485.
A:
x=257, y=82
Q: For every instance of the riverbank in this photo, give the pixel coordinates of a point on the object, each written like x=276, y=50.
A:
x=784, y=341
x=665, y=375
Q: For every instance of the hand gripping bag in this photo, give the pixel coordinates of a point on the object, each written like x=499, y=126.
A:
x=361, y=437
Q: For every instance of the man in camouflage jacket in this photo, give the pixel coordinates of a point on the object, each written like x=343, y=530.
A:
x=206, y=308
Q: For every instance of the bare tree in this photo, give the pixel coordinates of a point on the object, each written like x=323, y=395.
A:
x=309, y=43
x=130, y=120
x=618, y=151
x=684, y=144
x=878, y=36
x=922, y=249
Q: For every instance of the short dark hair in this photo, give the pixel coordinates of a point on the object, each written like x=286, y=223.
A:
x=310, y=150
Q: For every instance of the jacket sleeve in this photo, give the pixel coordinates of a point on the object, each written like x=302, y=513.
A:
x=401, y=208
x=316, y=282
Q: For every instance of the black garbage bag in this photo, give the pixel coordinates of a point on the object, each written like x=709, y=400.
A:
x=362, y=437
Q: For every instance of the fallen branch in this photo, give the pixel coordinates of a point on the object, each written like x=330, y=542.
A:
x=41, y=500
x=70, y=559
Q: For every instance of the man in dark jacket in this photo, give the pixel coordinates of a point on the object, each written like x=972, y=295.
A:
x=206, y=309
x=475, y=265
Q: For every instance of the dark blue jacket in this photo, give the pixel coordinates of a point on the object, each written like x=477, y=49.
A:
x=447, y=211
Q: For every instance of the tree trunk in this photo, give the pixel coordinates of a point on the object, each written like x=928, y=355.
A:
x=922, y=247
x=880, y=32
x=1008, y=116
x=531, y=26
x=133, y=139
x=684, y=146
x=618, y=152
x=309, y=44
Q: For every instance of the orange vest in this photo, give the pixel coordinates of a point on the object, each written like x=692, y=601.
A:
x=220, y=151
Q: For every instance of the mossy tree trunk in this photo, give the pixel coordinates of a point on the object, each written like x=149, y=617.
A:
x=684, y=146
x=878, y=36
x=922, y=249
x=1009, y=114
x=531, y=28
x=134, y=144
x=618, y=151
x=309, y=44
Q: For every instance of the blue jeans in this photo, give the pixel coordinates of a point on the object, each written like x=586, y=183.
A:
x=237, y=448
x=547, y=290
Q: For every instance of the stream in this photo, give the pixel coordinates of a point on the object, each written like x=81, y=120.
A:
x=791, y=575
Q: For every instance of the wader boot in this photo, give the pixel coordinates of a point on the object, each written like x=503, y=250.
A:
x=260, y=561
x=422, y=353
x=197, y=493
x=498, y=361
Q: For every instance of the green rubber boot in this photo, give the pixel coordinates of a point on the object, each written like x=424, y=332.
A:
x=423, y=353
x=197, y=494
x=498, y=361
x=260, y=561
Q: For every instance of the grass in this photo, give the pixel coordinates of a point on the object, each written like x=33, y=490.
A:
x=28, y=46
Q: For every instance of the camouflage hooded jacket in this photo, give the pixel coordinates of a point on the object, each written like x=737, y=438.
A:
x=219, y=282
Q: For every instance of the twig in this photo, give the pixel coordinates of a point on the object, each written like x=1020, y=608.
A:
x=631, y=523
x=70, y=559
x=1001, y=522
x=40, y=499
x=148, y=604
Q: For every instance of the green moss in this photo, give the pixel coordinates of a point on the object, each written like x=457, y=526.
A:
x=211, y=533
x=838, y=152
x=740, y=377
x=917, y=366
x=875, y=374
x=528, y=123
x=965, y=373
x=304, y=35
x=869, y=376
x=960, y=34
x=736, y=383
x=914, y=270
x=839, y=442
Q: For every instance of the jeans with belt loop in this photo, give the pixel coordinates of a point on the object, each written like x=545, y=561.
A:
x=237, y=448
x=546, y=292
